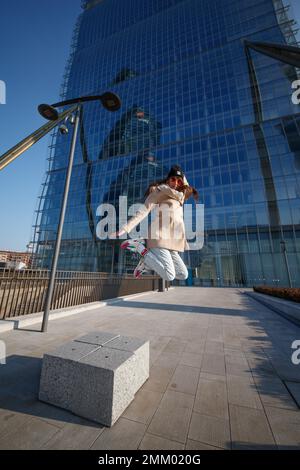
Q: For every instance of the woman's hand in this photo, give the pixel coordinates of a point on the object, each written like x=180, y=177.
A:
x=117, y=234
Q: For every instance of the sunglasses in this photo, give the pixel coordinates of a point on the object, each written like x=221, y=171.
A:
x=179, y=181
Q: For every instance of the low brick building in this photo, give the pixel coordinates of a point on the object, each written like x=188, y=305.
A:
x=15, y=259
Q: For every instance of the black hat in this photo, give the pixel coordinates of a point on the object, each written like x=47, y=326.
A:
x=175, y=171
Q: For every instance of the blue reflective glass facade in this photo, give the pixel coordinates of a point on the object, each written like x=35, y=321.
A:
x=181, y=70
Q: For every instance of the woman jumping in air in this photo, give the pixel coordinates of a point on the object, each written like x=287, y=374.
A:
x=161, y=254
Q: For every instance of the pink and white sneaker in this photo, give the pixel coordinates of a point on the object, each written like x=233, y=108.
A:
x=140, y=269
x=134, y=245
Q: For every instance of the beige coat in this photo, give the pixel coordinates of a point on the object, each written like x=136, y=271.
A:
x=168, y=204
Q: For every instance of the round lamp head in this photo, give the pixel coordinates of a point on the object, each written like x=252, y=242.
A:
x=110, y=101
x=48, y=112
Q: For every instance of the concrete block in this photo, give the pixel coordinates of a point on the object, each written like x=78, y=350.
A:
x=104, y=386
x=141, y=350
x=96, y=380
x=99, y=338
x=59, y=373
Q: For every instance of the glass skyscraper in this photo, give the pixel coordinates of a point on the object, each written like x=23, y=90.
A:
x=191, y=95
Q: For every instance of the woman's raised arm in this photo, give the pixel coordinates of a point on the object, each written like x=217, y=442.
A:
x=141, y=213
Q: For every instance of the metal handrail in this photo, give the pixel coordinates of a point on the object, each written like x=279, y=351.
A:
x=32, y=138
x=23, y=292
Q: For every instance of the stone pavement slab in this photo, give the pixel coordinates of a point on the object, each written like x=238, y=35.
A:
x=221, y=377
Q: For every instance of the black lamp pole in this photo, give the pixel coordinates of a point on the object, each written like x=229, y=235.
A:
x=111, y=102
x=50, y=289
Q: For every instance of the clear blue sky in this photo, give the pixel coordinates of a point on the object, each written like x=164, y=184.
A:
x=35, y=37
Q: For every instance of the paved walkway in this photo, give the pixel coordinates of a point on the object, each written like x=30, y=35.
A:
x=221, y=377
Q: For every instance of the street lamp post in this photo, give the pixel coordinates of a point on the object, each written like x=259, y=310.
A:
x=61, y=223
x=283, y=249
x=110, y=102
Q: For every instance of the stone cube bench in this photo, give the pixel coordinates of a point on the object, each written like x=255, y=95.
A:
x=95, y=376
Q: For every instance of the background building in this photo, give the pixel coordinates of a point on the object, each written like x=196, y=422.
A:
x=182, y=72
x=15, y=259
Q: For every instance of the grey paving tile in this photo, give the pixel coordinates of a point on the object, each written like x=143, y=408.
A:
x=286, y=370
x=243, y=392
x=250, y=429
x=234, y=357
x=191, y=359
x=214, y=347
x=195, y=445
x=32, y=435
x=185, y=379
x=239, y=370
x=175, y=346
x=210, y=430
x=173, y=400
x=74, y=436
x=261, y=366
x=211, y=398
x=10, y=421
x=208, y=376
x=285, y=425
x=213, y=363
x=159, y=378
x=144, y=406
x=195, y=347
x=125, y=434
x=151, y=442
x=172, y=418
x=294, y=389
x=273, y=392
x=166, y=359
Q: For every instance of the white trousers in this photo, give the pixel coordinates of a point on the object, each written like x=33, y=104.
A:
x=167, y=263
